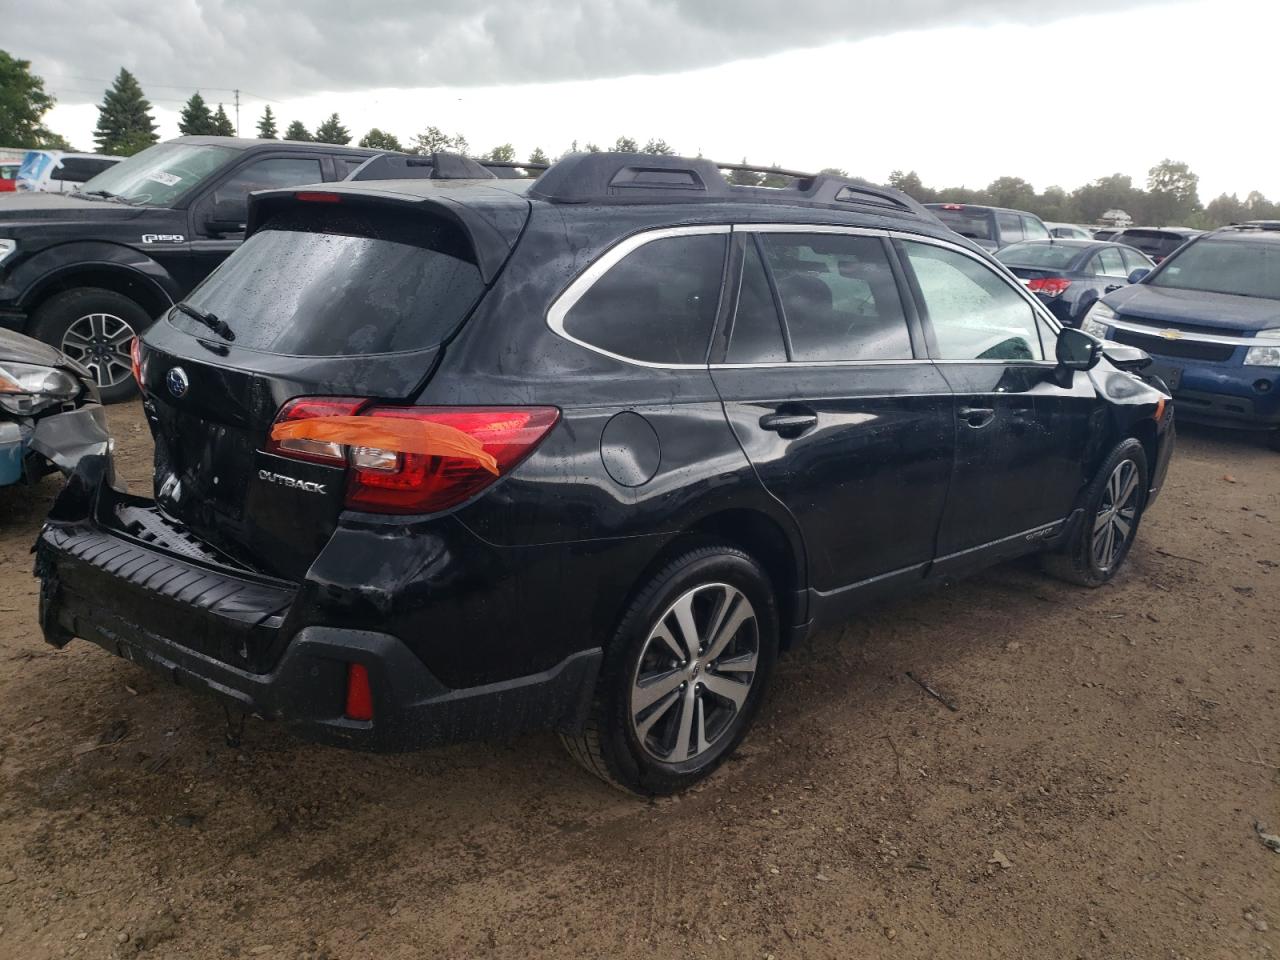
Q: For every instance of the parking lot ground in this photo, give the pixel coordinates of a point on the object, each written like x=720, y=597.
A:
x=1093, y=796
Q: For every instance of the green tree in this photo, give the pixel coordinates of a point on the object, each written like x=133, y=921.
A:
x=381, y=140
x=296, y=131
x=625, y=145
x=503, y=153
x=196, y=120
x=1011, y=192
x=23, y=102
x=1172, y=193
x=332, y=131
x=1054, y=205
x=267, y=124
x=125, y=125
x=222, y=125
x=909, y=182
x=434, y=140
x=659, y=147
x=1115, y=192
x=834, y=171
x=745, y=178
x=539, y=156
x=591, y=148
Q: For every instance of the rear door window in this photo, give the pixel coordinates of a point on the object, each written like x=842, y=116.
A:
x=1033, y=229
x=76, y=170
x=656, y=305
x=839, y=297
x=342, y=282
x=1010, y=227
x=974, y=313
x=1111, y=264
x=1133, y=260
x=757, y=331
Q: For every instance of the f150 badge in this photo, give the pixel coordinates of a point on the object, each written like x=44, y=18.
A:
x=163, y=238
x=283, y=480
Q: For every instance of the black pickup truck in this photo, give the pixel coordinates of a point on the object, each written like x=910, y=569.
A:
x=84, y=272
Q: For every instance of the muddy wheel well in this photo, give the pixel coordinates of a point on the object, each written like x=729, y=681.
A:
x=136, y=287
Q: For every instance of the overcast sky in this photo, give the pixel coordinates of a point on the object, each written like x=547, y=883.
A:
x=962, y=91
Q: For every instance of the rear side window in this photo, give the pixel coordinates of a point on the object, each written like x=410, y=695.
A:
x=1110, y=263
x=658, y=304
x=839, y=297
x=342, y=281
x=757, y=333
x=1133, y=260
x=974, y=313
x=974, y=224
x=78, y=169
x=1034, y=229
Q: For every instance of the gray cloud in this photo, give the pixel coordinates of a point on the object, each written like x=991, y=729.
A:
x=277, y=48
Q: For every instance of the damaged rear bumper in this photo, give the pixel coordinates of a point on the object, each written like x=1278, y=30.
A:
x=153, y=595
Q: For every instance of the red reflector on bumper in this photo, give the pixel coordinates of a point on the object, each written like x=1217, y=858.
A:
x=359, y=694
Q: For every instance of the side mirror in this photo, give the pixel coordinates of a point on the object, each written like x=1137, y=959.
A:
x=1077, y=350
x=228, y=215
x=1138, y=275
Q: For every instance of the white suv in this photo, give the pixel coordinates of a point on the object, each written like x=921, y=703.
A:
x=54, y=171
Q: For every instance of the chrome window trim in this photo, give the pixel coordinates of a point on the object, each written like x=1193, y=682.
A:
x=578, y=288
x=1158, y=333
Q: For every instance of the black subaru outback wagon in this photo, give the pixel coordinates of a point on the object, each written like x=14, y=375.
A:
x=440, y=460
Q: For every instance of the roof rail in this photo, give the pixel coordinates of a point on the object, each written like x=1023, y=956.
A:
x=647, y=178
x=440, y=165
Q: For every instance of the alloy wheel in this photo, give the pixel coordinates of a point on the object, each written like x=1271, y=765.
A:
x=695, y=671
x=1117, y=515
x=101, y=342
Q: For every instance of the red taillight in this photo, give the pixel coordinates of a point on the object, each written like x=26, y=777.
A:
x=135, y=358
x=392, y=481
x=312, y=196
x=359, y=694
x=314, y=451
x=383, y=481
x=953, y=206
x=1049, y=286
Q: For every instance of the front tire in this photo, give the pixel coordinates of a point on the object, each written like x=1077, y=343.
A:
x=684, y=674
x=1113, y=507
x=96, y=328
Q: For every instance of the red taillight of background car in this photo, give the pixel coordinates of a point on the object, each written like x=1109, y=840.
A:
x=315, y=196
x=390, y=481
x=1049, y=286
x=383, y=481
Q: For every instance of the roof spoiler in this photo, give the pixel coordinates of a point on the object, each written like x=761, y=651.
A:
x=647, y=178
x=441, y=165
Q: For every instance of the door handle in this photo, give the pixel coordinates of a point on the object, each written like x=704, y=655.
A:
x=789, y=424
x=976, y=417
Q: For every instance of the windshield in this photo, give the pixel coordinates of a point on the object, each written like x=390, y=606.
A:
x=159, y=175
x=975, y=224
x=1038, y=256
x=1225, y=266
x=341, y=283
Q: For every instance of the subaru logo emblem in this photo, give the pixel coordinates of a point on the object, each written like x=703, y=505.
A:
x=177, y=382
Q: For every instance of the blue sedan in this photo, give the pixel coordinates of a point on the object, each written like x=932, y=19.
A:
x=1070, y=276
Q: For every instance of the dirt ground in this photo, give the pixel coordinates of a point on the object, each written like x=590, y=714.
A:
x=1093, y=796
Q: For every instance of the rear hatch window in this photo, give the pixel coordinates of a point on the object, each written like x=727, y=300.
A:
x=1039, y=256
x=340, y=281
x=1154, y=243
x=975, y=224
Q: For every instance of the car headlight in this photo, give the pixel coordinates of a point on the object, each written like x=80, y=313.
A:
x=1098, y=320
x=1264, y=356
x=7, y=247
x=26, y=388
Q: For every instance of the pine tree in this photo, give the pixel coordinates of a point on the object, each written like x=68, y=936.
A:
x=195, y=119
x=332, y=131
x=267, y=125
x=296, y=131
x=626, y=145
x=539, y=156
x=125, y=125
x=381, y=140
x=222, y=125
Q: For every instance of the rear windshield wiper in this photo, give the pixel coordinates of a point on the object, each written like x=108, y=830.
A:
x=220, y=327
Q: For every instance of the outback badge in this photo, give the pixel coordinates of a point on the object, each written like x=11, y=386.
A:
x=177, y=382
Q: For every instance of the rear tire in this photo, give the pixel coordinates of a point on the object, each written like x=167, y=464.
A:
x=1113, y=506
x=684, y=674
x=96, y=328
